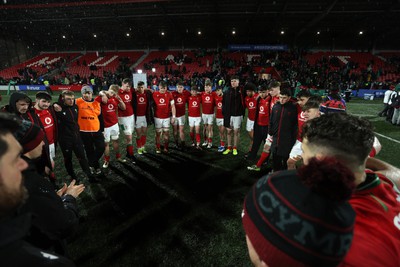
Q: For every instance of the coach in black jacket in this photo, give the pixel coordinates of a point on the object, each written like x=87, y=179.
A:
x=283, y=129
x=70, y=139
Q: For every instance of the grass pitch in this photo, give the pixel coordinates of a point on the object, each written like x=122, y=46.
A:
x=182, y=208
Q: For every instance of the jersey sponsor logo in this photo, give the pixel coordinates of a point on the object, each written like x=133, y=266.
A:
x=179, y=100
x=396, y=221
x=261, y=109
x=194, y=103
x=110, y=106
x=141, y=99
x=302, y=115
x=126, y=97
x=207, y=98
x=219, y=105
x=161, y=101
x=47, y=120
x=251, y=104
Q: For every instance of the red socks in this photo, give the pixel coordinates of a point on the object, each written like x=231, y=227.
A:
x=264, y=156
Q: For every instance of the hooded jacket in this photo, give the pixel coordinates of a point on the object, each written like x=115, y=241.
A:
x=12, y=108
x=54, y=218
x=14, y=251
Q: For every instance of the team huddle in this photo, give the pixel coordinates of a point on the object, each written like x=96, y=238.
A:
x=327, y=201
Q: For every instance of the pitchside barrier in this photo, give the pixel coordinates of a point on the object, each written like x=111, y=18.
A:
x=367, y=94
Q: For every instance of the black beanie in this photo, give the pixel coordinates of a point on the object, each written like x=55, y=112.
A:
x=29, y=135
x=290, y=224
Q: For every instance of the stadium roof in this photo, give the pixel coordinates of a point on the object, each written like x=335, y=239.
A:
x=98, y=24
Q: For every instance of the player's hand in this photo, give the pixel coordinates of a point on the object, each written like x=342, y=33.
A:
x=74, y=190
x=57, y=107
x=62, y=190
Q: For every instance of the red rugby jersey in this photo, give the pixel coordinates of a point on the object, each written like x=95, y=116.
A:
x=180, y=102
x=218, y=104
x=251, y=103
x=207, y=103
x=263, y=112
x=109, y=111
x=300, y=122
x=126, y=96
x=376, y=240
x=162, y=104
x=47, y=121
x=194, y=106
x=141, y=103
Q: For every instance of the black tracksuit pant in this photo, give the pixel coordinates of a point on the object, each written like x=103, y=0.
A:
x=76, y=146
x=94, y=147
x=260, y=133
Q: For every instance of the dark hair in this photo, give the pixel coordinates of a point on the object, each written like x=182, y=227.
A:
x=313, y=101
x=140, y=83
x=262, y=87
x=43, y=95
x=273, y=84
x=126, y=80
x=162, y=84
x=179, y=83
x=311, y=104
x=303, y=93
x=347, y=137
x=8, y=124
x=285, y=91
x=250, y=87
x=194, y=87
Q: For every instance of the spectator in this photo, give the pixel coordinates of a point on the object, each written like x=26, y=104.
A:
x=386, y=98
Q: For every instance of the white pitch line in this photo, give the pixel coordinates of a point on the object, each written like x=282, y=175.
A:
x=363, y=115
x=387, y=137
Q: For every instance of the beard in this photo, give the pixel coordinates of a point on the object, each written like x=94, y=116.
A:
x=11, y=200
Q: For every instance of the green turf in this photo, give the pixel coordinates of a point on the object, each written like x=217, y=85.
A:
x=181, y=209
